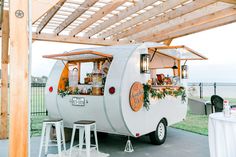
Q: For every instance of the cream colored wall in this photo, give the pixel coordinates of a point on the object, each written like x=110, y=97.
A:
x=161, y=61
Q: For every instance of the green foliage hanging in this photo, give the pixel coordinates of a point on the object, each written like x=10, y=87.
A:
x=161, y=93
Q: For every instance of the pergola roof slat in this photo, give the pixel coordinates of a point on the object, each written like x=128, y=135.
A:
x=49, y=15
x=98, y=15
x=190, y=7
x=110, y=22
x=153, y=12
x=77, y=13
x=225, y=15
x=180, y=20
x=199, y=27
x=129, y=11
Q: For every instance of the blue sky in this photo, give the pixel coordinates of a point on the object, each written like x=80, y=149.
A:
x=217, y=44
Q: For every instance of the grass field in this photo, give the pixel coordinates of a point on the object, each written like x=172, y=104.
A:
x=194, y=123
x=36, y=125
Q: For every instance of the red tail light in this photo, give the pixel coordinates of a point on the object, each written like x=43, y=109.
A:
x=50, y=89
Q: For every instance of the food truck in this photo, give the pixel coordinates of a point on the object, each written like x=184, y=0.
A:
x=123, y=88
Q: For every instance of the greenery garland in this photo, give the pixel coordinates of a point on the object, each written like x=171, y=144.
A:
x=161, y=93
x=67, y=90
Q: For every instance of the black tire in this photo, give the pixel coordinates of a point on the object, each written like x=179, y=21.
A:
x=158, y=137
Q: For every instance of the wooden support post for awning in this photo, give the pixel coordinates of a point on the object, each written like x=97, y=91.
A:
x=19, y=79
x=4, y=73
x=179, y=67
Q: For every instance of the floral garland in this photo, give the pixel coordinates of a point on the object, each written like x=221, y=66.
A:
x=161, y=93
x=67, y=91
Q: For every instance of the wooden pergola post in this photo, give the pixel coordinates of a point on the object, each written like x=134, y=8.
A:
x=4, y=73
x=19, y=79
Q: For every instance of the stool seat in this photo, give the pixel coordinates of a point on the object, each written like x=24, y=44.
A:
x=52, y=120
x=84, y=122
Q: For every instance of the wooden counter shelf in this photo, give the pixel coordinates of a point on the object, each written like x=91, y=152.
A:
x=165, y=86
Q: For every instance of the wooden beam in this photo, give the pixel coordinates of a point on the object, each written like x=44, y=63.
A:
x=76, y=40
x=167, y=42
x=167, y=5
x=122, y=15
x=229, y=1
x=198, y=28
x=59, y=56
x=164, y=27
x=190, y=7
x=97, y=16
x=19, y=78
x=4, y=72
x=40, y=7
x=163, y=54
x=49, y=15
x=77, y=13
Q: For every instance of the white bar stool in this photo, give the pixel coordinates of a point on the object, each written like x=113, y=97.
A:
x=84, y=126
x=47, y=125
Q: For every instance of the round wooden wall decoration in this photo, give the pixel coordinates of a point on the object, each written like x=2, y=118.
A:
x=136, y=96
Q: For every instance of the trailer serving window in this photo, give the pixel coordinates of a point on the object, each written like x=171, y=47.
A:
x=84, y=72
x=166, y=62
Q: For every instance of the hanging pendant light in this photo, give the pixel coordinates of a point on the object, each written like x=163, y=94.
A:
x=184, y=71
x=174, y=67
x=144, y=63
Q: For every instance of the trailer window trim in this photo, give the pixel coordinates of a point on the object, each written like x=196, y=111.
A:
x=91, y=55
x=179, y=49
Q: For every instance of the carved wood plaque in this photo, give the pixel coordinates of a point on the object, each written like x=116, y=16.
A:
x=136, y=96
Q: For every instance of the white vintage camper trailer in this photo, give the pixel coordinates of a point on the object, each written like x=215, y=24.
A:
x=112, y=93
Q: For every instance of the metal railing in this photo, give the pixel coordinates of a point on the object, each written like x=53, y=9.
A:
x=206, y=90
x=38, y=107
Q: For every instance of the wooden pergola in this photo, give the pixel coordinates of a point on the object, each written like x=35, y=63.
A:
x=97, y=22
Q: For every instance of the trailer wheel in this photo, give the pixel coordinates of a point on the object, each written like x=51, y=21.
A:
x=158, y=137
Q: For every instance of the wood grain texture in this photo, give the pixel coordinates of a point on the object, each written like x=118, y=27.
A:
x=4, y=83
x=19, y=80
x=136, y=96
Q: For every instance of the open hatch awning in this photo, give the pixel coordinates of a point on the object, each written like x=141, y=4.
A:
x=79, y=56
x=180, y=52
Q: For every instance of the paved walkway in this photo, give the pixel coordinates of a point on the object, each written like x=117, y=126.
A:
x=178, y=144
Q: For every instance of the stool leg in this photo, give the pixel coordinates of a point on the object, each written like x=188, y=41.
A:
x=87, y=140
x=48, y=128
x=58, y=138
x=42, y=139
x=81, y=138
x=63, y=136
x=95, y=136
x=72, y=139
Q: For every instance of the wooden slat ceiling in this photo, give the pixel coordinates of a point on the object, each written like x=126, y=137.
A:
x=109, y=22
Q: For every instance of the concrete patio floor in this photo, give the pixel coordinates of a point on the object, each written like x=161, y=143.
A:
x=178, y=144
